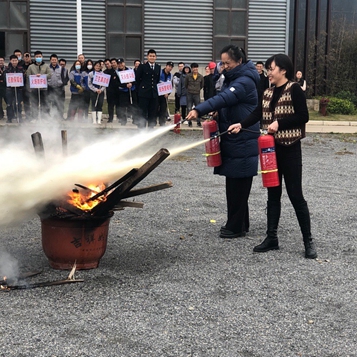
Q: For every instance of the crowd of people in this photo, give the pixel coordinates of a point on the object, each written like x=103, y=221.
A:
x=138, y=99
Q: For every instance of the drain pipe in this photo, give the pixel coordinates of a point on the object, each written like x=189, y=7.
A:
x=79, y=28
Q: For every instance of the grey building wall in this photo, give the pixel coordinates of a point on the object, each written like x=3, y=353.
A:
x=179, y=30
x=267, y=28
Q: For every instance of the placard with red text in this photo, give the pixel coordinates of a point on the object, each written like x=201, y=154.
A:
x=101, y=79
x=38, y=81
x=164, y=88
x=127, y=76
x=14, y=80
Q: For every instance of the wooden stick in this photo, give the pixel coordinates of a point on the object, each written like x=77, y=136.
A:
x=129, y=204
x=43, y=284
x=38, y=144
x=147, y=189
x=64, y=142
x=112, y=199
x=113, y=185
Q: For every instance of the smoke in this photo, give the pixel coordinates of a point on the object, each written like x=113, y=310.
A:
x=28, y=182
x=8, y=266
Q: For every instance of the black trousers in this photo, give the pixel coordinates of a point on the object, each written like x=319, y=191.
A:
x=289, y=160
x=148, y=108
x=237, y=193
x=162, y=112
x=113, y=101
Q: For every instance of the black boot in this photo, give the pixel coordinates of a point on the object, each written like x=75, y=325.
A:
x=303, y=216
x=271, y=241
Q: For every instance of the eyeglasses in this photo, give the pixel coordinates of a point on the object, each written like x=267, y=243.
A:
x=26, y=55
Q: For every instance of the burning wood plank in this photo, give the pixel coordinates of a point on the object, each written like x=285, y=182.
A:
x=104, y=207
x=147, y=189
x=122, y=204
x=113, y=185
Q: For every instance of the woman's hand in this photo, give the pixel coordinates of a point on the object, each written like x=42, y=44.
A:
x=193, y=114
x=273, y=127
x=234, y=128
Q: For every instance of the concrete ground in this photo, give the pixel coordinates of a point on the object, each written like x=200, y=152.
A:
x=169, y=286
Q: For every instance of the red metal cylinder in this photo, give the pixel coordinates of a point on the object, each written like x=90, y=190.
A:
x=212, y=147
x=177, y=119
x=268, y=164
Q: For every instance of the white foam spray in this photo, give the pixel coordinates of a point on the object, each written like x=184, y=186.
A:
x=27, y=182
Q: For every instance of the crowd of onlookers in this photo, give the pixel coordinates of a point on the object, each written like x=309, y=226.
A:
x=139, y=99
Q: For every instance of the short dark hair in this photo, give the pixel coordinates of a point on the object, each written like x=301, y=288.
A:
x=37, y=53
x=137, y=61
x=152, y=51
x=113, y=59
x=194, y=65
x=97, y=62
x=53, y=55
x=283, y=62
x=13, y=57
x=62, y=60
x=181, y=63
x=235, y=53
x=107, y=59
x=260, y=62
x=17, y=50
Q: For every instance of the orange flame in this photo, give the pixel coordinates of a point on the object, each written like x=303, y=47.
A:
x=78, y=199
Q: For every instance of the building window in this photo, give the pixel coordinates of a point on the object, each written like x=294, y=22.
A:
x=124, y=29
x=230, y=24
x=13, y=26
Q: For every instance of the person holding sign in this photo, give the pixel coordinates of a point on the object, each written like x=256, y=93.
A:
x=38, y=86
x=97, y=94
x=15, y=85
x=127, y=99
x=163, y=105
x=147, y=78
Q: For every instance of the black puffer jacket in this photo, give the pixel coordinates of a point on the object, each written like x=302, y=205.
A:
x=236, y=101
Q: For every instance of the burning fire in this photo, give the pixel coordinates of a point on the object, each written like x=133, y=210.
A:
x=3, y=284
x=81, y=199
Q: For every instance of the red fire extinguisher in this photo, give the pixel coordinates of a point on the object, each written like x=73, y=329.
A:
x=267, y=156
x=212, y=147
x=177, y=119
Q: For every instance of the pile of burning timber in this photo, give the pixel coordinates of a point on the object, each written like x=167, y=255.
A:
x=87, y=202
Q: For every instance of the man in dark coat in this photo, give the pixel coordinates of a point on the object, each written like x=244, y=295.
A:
x=147, y=78
x=113, y=90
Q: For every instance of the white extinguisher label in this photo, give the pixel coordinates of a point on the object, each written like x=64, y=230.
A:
x=268, y=159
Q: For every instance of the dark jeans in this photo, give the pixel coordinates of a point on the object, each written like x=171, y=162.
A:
x=2, y=97
x=14, y=106
x=163, y=113
x=75, y=105
x=27, y=104
x=39, y=103
x=99, y=99
x=55, y=101
x=237, y=193
x=192, y=99
x=177, y=103
x=113, y=101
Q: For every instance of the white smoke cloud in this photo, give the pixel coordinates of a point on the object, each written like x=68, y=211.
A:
x=28, y=182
